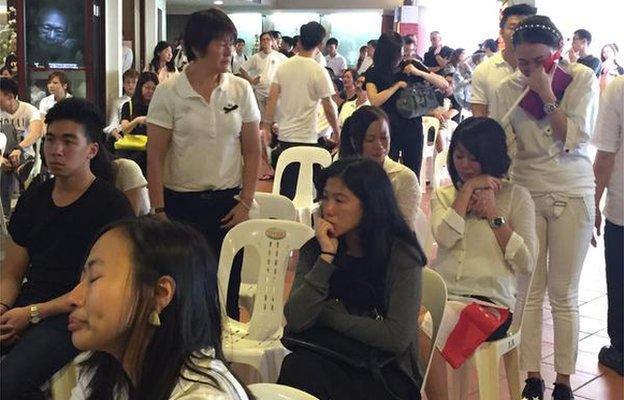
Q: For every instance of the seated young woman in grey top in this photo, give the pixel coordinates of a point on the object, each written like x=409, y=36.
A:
x=360, y=277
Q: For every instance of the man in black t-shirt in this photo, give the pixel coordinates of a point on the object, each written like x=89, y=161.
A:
x=51, y=231
x=579, y=51
x=438, y=55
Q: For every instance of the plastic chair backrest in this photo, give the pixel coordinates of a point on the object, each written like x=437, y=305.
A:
x=274, y=391
x=440, y=162
x=434, y=295
x=273, y=240
x=275, y=206
x=422, y=228
x=3, y=142
x=36, y=169
x=307, y=156
x=428, y=149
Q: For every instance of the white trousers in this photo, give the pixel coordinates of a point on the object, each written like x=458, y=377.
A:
x=564, y=228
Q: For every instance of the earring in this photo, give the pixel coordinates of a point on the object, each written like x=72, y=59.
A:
x=154, y=319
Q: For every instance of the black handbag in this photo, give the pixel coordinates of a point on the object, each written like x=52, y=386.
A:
x=328, y=343
x=416, y=100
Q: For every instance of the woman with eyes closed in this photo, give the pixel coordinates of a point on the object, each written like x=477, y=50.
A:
x=485, y=229
x=553, y=162
x=360, y=277
x=147, y=308
x=367, y=133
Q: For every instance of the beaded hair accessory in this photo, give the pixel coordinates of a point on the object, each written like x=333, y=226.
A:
x=539, y=26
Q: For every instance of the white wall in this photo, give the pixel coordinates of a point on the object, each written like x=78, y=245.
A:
x=112, y=51
x=152, y=36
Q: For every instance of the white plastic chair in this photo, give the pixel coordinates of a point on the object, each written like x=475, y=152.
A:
x=439, y=166
x=434, y=295
x=273, y=391
x=428, y=149
x=423, y=232
x=270, y=206
x=36, y=169
x=307, y=156
x=487, y=356
x=256, y=343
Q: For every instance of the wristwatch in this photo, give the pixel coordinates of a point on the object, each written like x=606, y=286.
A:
x=35, y=316
x=550, y=108
x=497, y=222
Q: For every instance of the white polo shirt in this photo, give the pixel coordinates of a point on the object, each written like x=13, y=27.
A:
x=542, y=163
x=205, y=148
x=264, y=65
x=608, y=137
x=487, y=76
x=338, y=64
x=303, y=83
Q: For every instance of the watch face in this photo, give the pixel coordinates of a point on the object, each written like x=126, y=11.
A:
x=35, y=320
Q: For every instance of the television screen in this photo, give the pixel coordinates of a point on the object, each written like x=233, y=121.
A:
x=55, y=33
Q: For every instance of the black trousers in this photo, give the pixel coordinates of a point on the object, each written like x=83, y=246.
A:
x=43, y=350
x=290, y=176
x=614, y=260
x=204, y=211
x=407, y=142
x=328, y=379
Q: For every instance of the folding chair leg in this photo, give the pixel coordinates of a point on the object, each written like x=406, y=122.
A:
x=512, y=369
x=487, y=361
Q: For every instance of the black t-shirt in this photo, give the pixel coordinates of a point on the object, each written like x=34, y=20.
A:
x=138, y=110
x=430, y=60
x=383, y=81
x=58, y=238
x=591, y=62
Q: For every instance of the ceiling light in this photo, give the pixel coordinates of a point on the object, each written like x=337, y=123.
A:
x=218, y=2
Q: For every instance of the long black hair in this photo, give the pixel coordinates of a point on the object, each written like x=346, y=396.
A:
x=382, y=222
x=355, y=127
x=485, y=139
x=144, y=77
x=86, y=114
x=155, y=63
x=189, y=323
x=388, y=52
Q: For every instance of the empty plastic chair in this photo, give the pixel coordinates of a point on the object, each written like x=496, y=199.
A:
x=428, y=149
x=257, y=343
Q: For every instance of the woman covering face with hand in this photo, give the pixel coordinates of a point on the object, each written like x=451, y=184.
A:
x=360, y=278
x=147, y=308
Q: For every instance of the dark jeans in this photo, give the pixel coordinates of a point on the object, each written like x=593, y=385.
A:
x=330, y=379
x=290, y=176
x=43, y=350
x=407, y=142
x=204, y=211
x=614, y=260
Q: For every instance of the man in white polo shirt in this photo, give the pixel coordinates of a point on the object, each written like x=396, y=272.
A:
x=300, y=85
x=335, y=60
x=260, y=69
x=495, y=69
x=609, y=171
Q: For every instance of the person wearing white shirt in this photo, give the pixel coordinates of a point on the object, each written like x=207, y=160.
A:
x=27, y=127
x=553, y=163
x=361, y=98
x=368, y=59
x=335, y=60
x=239, y=58
x=130, y=78
x=609, y=172
x=485, y=229
x=260, y=69
x=299, y=87
x=491, y=72
x=59, y=88
x=204, y=143
x=367, y=133
x=127, y=56
x=158, y=334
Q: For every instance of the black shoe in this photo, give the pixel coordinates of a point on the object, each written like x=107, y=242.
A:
x=562, y=392
x=610, y=357
x=533, y=389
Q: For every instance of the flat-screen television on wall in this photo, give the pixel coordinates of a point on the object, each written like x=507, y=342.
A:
x=55, y=33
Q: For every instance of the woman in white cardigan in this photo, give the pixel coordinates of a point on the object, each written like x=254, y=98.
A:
x=367, y=133
x=484, y=226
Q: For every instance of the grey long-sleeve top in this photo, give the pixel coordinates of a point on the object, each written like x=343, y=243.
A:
x=309, y=304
